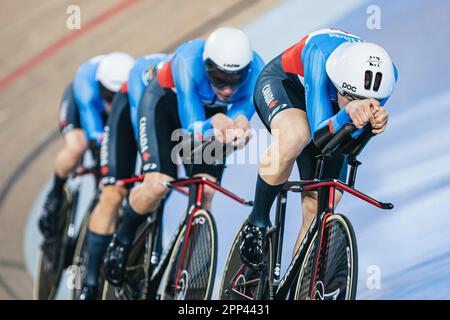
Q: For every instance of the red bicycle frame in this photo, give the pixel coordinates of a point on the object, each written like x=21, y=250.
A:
x=195, y=192
x=197, y=186
x=326, y=190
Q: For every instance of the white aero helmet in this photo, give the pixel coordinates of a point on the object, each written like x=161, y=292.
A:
x=227, y=55
x=362, y=70
x=113, y=70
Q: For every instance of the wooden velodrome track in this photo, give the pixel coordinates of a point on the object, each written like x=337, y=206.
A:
x=38, y=58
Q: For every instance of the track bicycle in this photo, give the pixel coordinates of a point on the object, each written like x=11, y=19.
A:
x=186, y=269
x=325, y=266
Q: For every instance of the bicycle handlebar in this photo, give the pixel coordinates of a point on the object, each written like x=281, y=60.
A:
x=215, y=145
x=339, y=137
x=192, y=155
x=351, y=147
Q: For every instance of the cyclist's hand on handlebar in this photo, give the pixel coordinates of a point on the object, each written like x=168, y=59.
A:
x=241, y=122
x=223, y=128
x=235, y=132
x=242, y=132
x=241, y=138
x=360, y=111
x=380, y=120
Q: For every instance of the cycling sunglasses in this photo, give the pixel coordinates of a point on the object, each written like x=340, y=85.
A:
x=352, y=97
x=220, y=78
x=105, y=93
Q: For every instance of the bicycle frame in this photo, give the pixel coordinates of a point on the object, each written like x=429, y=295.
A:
x=326, y=190
x=155, y=265
x=326, y=204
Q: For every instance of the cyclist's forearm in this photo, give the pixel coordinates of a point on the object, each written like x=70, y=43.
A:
x=329, y=127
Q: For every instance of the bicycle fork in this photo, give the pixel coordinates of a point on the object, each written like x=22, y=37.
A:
x=195, y=202
x=325, y=208
x=327, y=192
x=152, y=254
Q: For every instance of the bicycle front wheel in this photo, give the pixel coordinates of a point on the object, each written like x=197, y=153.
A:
x=192, y=266
x=336, y=270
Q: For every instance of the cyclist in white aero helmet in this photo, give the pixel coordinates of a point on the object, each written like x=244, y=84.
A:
x=112, y=72
x=227, y=55
x=205, y=89
x=361, y=70
x=84, y=108
x=118, y=161
x=306, y=94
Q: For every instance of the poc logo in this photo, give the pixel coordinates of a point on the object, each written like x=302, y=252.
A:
x=349, y=87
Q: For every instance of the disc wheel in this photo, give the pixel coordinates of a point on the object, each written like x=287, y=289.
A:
x=337, y=269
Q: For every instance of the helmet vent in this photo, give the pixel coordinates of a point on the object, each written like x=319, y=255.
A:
x=368, y=79
x=377, y=83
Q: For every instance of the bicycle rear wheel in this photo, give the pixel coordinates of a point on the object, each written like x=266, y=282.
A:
x=240, y=282
x=52, y=255
x=192, y=267
x=337, y=270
